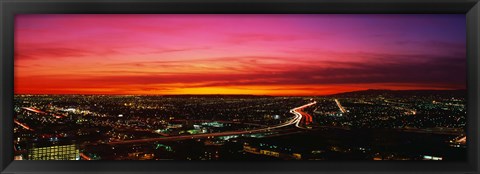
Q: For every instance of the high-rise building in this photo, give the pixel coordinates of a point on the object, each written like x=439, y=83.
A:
x=53, y=150
x=64, y=152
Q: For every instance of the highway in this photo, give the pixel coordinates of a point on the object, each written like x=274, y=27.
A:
x=85, y=157
x=34, y=110
x=342, y=109
x=22, y=125
x=462, y=140
x=300, y=114
x=294, y=121
x=41, y=112
x=307, y=118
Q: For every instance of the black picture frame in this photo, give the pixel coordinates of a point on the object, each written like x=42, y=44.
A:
x=8, y=8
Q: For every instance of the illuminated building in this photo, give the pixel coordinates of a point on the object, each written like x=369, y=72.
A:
x=53, y=149
x=213, y=124
x=272, y=153
x=62, y=152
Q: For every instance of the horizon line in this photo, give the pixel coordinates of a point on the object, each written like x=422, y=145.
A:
x=250, y=94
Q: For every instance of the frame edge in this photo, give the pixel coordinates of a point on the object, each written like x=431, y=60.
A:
x=473, y=82
x=6, y=77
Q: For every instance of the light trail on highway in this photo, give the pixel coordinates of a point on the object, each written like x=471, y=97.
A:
x=294, y=121
x=85, y=157
x=462, y=140
x=34, y=110
x=23, y=125
x=342, y=109
x=42, y=112
x=298, y=113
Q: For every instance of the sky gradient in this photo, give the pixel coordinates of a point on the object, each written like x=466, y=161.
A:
x=237, y=54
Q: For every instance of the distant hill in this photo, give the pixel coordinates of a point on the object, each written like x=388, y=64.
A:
x=385, y=92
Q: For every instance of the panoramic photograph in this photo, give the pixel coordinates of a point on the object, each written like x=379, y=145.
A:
x=240, y=87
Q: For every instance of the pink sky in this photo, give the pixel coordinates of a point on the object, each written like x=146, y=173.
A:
x=237, y=54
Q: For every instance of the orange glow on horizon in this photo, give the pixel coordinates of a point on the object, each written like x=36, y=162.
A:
x=292, y=90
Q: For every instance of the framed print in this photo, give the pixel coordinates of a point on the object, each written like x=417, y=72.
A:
x=239, y=86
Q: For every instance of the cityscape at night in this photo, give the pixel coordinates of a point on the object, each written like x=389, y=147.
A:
x=366, y=125
x=240, y=87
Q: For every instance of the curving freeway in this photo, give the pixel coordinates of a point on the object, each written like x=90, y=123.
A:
x=294, y=121
x=300, y=114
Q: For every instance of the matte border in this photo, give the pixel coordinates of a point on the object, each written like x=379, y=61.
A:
x=8, y=8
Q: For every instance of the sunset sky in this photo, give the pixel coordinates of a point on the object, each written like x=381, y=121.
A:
x=237, y=54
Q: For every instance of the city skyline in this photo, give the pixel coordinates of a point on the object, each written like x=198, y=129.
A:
x=279, y=55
